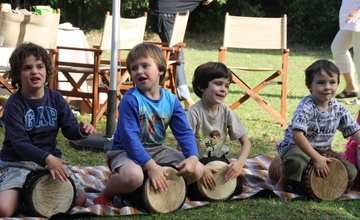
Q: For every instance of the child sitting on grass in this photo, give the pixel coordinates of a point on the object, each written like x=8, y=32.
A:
x=313, y=127
x=32, y=117
x=212, y=121
x=145, y=112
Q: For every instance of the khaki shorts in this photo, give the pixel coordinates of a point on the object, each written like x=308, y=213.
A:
x=161, y=154
x=13, y=174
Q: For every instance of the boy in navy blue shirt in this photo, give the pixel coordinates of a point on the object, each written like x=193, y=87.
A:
x=32, y=118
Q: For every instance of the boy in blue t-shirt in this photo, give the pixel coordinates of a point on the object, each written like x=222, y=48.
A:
x=145, y=112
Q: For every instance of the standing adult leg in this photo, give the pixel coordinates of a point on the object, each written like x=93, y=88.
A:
x=340, y=50
x=356, y=50
x=165, y=25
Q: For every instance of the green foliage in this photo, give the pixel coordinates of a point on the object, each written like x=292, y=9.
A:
x=309, y=22
x=312, y=22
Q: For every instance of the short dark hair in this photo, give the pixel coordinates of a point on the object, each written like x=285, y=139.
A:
x=327, y=66
x=18, y=57
x=205, y=73
x=147, y=50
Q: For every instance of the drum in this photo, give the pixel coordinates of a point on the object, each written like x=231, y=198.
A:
x=147, y=199
x=223, y=190
x=275, y=169
x=329, y=188
x=44, y=196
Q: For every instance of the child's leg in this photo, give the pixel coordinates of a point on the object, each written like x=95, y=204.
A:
x=9, y=202
x=126, y=179
x=294, y=162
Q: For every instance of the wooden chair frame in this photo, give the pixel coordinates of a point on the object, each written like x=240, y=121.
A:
x=131, y=33
x=258, y=33
x=16, y=28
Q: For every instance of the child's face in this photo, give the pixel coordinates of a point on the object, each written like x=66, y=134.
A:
x=216, y=91
x=323, y=87
x=145, y=74
x=33, y=75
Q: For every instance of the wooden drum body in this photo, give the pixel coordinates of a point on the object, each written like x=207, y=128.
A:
x=160, y=202
x=329, y=188
x=44, y=196
x=223, y=190
x=275, y=169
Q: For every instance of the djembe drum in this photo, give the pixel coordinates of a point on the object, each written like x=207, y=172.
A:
x=275, y=169
x=223, y=190
x=328, y=188
x=44, y=196
x=146, y=198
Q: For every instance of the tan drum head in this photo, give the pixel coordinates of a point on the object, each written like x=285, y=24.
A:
x=275, y=169
x=169, y=201
x=331, y=187
x=50, y=197
x=223, y=190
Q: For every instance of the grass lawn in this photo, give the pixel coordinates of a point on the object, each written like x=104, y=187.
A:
x=262, y=130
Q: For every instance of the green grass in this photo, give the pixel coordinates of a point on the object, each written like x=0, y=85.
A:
x=262, y=130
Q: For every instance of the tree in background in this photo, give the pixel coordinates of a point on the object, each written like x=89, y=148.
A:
x=309, y=22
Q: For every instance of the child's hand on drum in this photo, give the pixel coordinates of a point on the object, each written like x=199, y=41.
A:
x=187, y=166
x=234, y=169
x=321, y=167
x=56, y=167
x=87, y=129
x=208, y=179
x=157, y=175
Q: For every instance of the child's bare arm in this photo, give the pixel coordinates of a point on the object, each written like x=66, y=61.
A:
x=87, y=129
x=208, y=179
x=356, y=137
x=319, y=161
x=236, y=166
x=56, y=167
x=188, y=165
x=156, y=175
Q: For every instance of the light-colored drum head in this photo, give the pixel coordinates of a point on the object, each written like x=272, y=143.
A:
x=50, y=197
x=331, y=187
x=223, y=190
x=170, y=200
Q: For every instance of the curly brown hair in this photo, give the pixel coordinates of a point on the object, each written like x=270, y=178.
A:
x=19, y=56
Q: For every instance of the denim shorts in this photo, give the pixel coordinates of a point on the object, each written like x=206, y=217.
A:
x=13, y=174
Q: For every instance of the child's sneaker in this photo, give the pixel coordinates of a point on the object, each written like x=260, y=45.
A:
x=102, y=200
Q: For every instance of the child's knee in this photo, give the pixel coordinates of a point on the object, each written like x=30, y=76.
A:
x=132, y=177
x=293, y=168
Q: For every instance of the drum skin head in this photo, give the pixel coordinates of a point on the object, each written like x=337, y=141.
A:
x=331, y=187
x=223, y=190
x=50, y=197
x=170, y=200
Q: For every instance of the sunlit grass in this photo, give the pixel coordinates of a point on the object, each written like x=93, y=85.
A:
x=263, y=131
